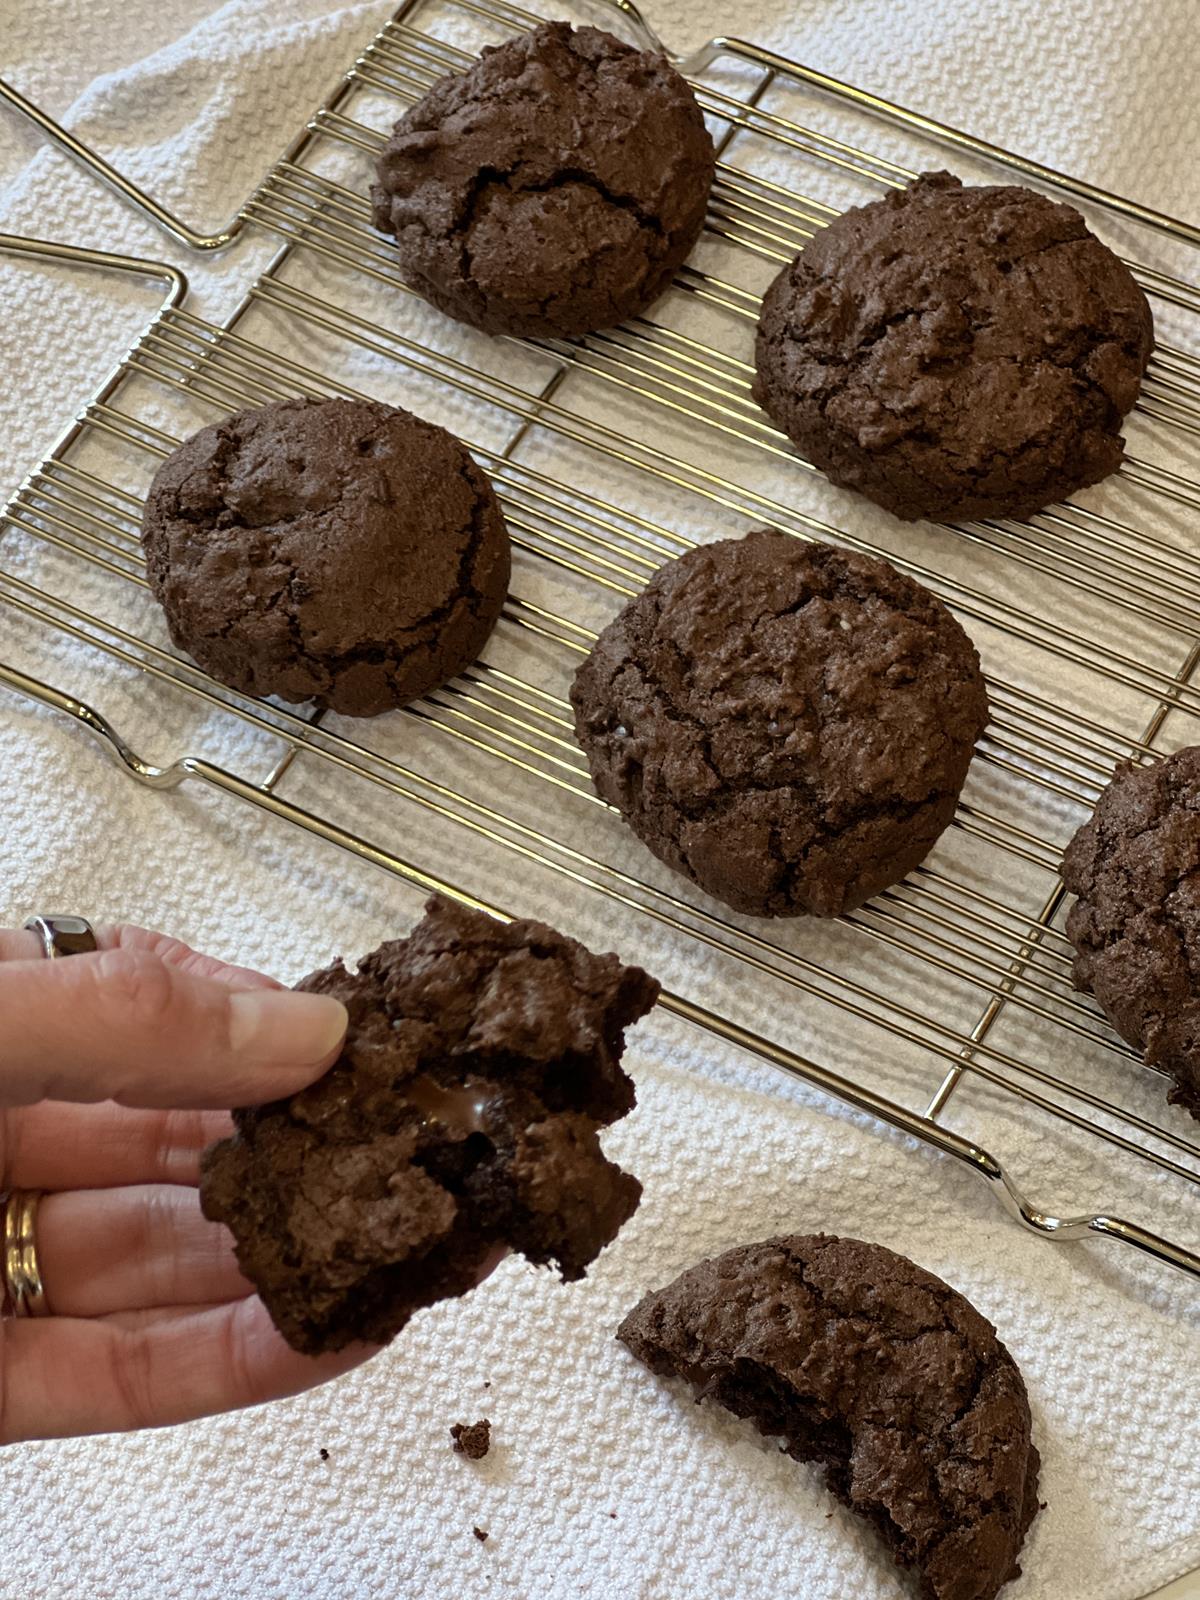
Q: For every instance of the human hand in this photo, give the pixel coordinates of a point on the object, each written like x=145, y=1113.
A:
x=114, y=1069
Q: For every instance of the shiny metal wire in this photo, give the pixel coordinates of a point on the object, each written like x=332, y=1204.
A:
x=1017, y=960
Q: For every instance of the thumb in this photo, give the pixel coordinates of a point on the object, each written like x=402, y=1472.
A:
x=126, y=1025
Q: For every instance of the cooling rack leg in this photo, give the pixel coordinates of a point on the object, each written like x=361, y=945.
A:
x=281, y=767
x=173, y=280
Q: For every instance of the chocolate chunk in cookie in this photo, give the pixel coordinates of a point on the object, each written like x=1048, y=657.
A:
x=1135, y=866
x=339, y=551
x=954, y=352
x=460, y=1118
x=858, y=1359
x=786, y=724
x=554, y=188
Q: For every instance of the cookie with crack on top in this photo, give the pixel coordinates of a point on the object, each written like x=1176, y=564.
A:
x=787, y=724
x=858, y=1359
x=554, y=188
x=955, y=352
x=340, y=551
x=1136, y=923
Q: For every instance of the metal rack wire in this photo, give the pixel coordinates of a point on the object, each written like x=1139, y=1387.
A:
x=1000, y=1010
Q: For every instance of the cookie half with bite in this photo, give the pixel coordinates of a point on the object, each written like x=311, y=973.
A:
x=859, y=1360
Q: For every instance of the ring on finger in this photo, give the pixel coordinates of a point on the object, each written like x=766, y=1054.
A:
x=24, y=1294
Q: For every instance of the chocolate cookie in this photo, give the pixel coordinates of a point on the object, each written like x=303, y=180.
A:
x=786, y=724
x=554, y=188
x=461, y=1116
x=331, y=550
x=859, y=1360
x=954, y=352
x=1136, y=923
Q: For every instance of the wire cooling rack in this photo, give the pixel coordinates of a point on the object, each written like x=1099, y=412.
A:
x=614, y=453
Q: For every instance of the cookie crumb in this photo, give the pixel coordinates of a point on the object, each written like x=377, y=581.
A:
x=324, y=1453
x=472, y=1440
x=480, y=1533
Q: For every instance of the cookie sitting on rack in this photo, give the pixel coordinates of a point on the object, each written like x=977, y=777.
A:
x=1136, y=923
x=461, y=1118
x=856, y=1358
x=554, y=188
x=340, y=551
x=955, y=352
x=787, y=724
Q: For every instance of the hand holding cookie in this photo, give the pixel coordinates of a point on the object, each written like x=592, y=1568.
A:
x=114, y=1068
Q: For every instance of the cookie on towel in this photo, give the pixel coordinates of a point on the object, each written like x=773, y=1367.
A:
x=858, y=1359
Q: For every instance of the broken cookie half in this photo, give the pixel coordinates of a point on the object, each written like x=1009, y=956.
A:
x=461, y=1118
x=858, y=1359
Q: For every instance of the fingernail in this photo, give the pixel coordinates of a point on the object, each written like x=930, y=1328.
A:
x=280, y=1027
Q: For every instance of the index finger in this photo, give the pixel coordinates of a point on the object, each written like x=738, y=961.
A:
x=19, y=944
x=126, y=1024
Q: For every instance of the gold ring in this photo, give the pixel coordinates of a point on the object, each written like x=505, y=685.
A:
x=24, y=1293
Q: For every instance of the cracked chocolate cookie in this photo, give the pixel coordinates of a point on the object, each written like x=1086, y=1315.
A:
x=953, y=352
x=786, y=724
x=460, y=1119
x=1135, y=866
x=554, y=188
x=340, y=551
x=859, y=1360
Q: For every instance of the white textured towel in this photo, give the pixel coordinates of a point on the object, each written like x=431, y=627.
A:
x=602, y=1482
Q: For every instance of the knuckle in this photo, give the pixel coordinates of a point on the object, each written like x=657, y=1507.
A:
x=134, y=986
x=238, y=1358
x=182, y=1258
x=130, y=1366
x=178, y=1139
x=153, y=1243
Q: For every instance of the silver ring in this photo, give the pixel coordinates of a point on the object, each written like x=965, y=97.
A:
x=63, y=936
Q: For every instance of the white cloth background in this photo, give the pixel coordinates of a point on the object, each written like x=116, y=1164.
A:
x=195, y=102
